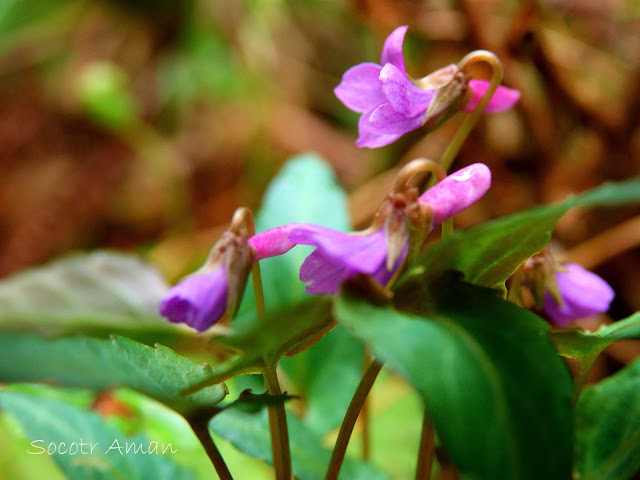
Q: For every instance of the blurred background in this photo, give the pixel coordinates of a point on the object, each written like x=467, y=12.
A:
x=141, y=125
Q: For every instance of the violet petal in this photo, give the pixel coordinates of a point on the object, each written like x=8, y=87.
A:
x=405, y=97
x=198, y=300
x=584, y=294
x=392, y=49
x=361, y=89
x=457, y=191
x=386, y=119
x=503, y=99
x=372, y=137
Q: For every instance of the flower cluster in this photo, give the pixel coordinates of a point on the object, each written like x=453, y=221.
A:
x=201, y=299
x=392, y=104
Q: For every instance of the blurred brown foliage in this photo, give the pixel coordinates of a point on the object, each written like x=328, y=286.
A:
x=227, y=90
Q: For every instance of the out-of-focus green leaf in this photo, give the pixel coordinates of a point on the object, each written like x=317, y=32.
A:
x=492, y=382
x=106, y=364
x=103, y=90
x=15, y=462
x=489, y=253
x=608, y=428
x=98, y=293
x=249, y=432
x=49, y=421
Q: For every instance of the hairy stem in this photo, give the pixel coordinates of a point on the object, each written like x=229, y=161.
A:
x=346, y=429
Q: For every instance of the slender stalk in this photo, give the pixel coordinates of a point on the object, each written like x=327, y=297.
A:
x=278, y=427
x=426, y=451
x=346, y=429
x=447, y=227
x=472, y=118
x=277, y=415
x=364, y=415
x=200, y=426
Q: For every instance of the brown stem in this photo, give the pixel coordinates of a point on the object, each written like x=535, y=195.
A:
x=199, y=423
x=346, y=429
x=426, y=451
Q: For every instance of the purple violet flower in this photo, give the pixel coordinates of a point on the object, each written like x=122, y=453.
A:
x=584, y=294
x=392, y=104
x=199, y=300
x=340, y=256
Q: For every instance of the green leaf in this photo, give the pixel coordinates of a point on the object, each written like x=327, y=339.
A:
x=306, y=190
x=608, y=427
x=249, y=432
x=492, y=382
x=586, y=346
x=489, y=253
x=98, y=293
x=106, y=364
x=273, y=336
x=15, y=462
x=49, y=421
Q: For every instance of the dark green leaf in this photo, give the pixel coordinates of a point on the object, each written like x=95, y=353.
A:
x=492, y=382
x=608, y=427
x=489, y=253
x=105, y=364
x=52, y=421
x=249, y=432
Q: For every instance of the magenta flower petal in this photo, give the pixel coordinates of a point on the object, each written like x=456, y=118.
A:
x=272, y=242
x=372, y=137
x=457, y=191
x=363, y=253
x=584, y=294
x=503, y=99
x=405, y=97
x=392, y=49
x=199, y=300
x=323, y=275
x=360, y=89
x=386, y=119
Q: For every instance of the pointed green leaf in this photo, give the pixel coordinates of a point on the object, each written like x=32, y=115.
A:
x=105, y=364
x=489, y=253
x=492, y=382
x=608, y=427
x=249, y=433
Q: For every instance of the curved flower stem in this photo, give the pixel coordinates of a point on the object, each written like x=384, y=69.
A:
x=472, y=118
x=359, y=397
x=278, y=426
x=426, y=451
